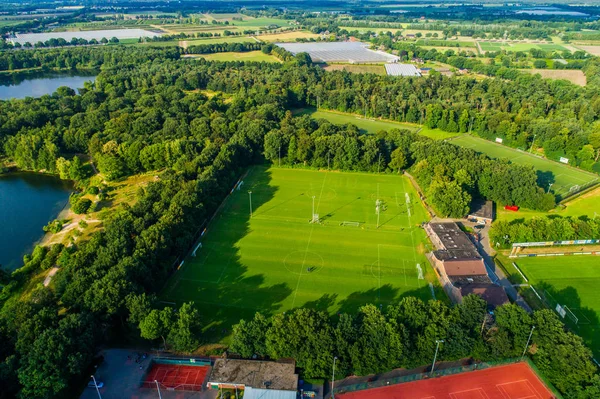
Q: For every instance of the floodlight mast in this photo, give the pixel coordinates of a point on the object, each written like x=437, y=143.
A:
x=313, y=209
x=96, y=386
x=437, y=347
x=158, y=388
x=250, y=196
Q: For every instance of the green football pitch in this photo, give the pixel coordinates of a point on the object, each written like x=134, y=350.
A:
x=277, y=260
x=572, y=281
x=563, y=177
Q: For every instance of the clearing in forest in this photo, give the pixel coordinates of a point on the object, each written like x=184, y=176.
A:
x=277, y=259
x=559, y=178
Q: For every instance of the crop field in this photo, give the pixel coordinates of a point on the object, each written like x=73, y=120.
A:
x=562, y=177
x=574, y=76
x=498, y=46
x=571, y=281
x=274, y=259
x=355, y=68
x=374, y=30
x=287, y=36
x=213, y=40
x=365, y=125
x=262, y=22
x=256, y=56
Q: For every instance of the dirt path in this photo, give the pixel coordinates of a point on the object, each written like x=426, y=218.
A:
x=49, y=276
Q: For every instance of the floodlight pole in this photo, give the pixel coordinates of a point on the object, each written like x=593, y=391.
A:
x=250, y=196
x=379, y=164
x=550, y=185
x=437, y=346
x=333, y=377
x=471, y=124
x=96, y=386
x=527, y=344
x=378, y=211
x=313, y=212
x=280, y=155
x=158, y=388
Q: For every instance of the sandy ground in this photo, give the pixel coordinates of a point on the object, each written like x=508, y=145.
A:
x=574, y=76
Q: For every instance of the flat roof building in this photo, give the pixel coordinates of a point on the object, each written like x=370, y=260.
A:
x=240, y=374
x=402, y=70
x=482, y=212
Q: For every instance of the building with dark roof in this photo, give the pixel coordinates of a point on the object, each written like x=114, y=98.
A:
x=459, y=265
x=482, y=212
x=240, y=374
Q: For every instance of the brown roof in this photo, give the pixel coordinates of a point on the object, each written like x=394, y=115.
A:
x=491, y=293
x=465, y=267
x=255, y=374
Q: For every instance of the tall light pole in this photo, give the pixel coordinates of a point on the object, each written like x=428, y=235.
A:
x=378, y=210
x=549, y=185
x=437, y=346
x=333, y=377
x=158, y=388
x=313, y=212
x=250, y=196
x=280, y=155
x=96, y=386
x=528, y=339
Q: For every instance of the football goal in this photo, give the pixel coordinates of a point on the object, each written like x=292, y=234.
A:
x=350, y=224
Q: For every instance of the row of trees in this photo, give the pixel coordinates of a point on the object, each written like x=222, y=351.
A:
x=146, y=111
x=404, y=335
x=555, y=228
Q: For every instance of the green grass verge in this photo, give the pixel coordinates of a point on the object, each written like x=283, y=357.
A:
x=571, y=281
x=277, y=260
x=561, y=176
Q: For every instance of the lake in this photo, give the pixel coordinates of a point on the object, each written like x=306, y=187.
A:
x=18, y=86
x=28, y=201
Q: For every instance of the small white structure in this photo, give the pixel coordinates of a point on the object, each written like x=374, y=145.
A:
x=402, y=70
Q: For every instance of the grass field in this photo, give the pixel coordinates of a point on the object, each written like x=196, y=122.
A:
x=257, y=56
x=287, y=36
x=365, y=125
x=574, y=76
x=276, y=260
x=499, y=46
x=357, y=68
x=571, y=281
x=224, y=39
x=561, y=176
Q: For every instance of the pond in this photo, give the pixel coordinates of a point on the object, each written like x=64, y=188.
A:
x=36, y=85
x=28, y=201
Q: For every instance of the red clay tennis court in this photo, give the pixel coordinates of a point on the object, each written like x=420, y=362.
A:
x=176, y=377
x=515, y=381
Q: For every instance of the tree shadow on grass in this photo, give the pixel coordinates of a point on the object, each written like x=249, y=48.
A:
x=588, y=322
x=545, y=178
x=224, y=292
x=380, y=297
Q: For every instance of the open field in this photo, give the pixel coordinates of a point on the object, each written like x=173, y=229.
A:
x=584, y=205
x=523, y=46
x=354, y=68
x=593, y=50
x=262, y=22
x=562, y=177
x=287, y=36
x=213, y=40
x=436, y=134
x=375, y=30
x=571, y=281
x=442, y=49
x=256, y=56
x=572, y=75
x=276, y=260
x=365, y=125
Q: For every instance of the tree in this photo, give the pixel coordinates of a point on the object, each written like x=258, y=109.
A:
x=398, y=160
x=249, y=336
x=82, y=206
x=186, y=329
x=449, y=199
x=157, y=324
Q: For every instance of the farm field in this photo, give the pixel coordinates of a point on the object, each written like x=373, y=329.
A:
x=571, y=281
x=561, y=176
x=287, y=36
x=378, y=69
x=498, y=46
x=365, y=125
x=257, y=56
x=276, y=260
x=213, y=40
x=261, y=22
x=375, y=30
x=572, y=75
x=593, y=50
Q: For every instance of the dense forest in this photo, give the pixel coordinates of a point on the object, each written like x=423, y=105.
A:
x=147, y=111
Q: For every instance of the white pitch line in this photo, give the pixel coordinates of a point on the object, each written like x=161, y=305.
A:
x=412, y=239
x=308, y=243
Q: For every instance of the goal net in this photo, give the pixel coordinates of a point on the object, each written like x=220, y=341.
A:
x=570, y=314
x=351, y=224
x=315, y=218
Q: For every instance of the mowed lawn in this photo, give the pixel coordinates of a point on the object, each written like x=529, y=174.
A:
x=256, y=56
x=561, y=176
x=277, y=260
x=365, y=125
x=572, y=281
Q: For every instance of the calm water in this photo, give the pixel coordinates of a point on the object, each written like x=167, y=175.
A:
x=37, y=86
x=27, y=203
